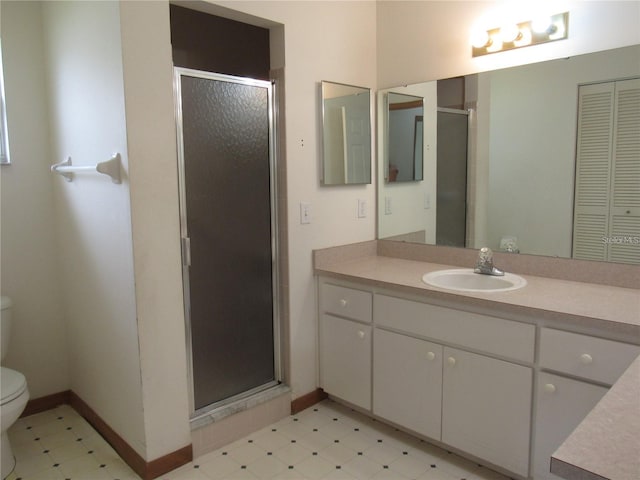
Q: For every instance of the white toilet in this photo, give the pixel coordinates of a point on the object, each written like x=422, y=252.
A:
x=14, y=392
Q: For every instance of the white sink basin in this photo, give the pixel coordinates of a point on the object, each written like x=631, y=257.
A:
x=465, y=280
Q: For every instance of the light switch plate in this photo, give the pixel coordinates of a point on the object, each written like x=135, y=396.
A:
x=362, y=208
x=305, y=213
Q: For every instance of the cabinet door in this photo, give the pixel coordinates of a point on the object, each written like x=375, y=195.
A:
x=486, y=408
x=407, y=382
x=345, y=360
x=561, y=404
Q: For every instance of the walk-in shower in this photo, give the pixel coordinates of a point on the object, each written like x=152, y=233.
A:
x=226, y=133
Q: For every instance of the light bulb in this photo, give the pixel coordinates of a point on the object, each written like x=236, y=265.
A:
x=480, y=38
x=509, y=33
x=557, y=30
x=541, y=24
x=524, y=38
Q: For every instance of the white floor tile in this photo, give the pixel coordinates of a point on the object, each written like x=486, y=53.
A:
x=315, y=441
x=33, y=465
x=383, y=454
x=325, y=442
x=292, y=453
x=270, y=440
x=242, y=474
x=387, y=474
x=315, y=467
x=409, y=466
x=358, y=441
x=267, y=467
x=362, y=467
x=186, y=472
x=246, y=453
x=289, y=474
x=63, y=453
x=219, y=467
x=338, y=474
x=337, y=453
x=80, y=467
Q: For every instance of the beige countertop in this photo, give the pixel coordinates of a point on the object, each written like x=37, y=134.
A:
x=607, y=444
x=615, y=309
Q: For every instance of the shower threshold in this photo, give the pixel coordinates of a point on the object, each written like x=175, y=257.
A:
x=244, y=401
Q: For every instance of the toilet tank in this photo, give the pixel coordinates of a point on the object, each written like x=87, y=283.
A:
x=5, y=325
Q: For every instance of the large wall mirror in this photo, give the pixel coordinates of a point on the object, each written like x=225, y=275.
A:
x=346, y=134
x=531, y=153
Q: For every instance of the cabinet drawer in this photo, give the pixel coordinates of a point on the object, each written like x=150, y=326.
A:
x=489, y=334
x=585, y=356
x=346, y=302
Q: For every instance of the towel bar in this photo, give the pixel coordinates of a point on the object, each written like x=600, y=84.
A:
x=109, y=167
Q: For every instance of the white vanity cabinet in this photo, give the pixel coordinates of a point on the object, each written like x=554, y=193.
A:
x=345, y=344
x=561, y=402
x=407, y=382
x=487, y=408
x=471, y=401
x=497, y=389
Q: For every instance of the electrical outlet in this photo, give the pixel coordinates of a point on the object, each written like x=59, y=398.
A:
x=362, y=208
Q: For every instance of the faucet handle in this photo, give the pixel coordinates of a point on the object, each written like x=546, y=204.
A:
x=485, y=255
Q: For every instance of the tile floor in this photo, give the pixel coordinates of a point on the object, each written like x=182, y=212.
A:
x=59, y=444
x=327, y=441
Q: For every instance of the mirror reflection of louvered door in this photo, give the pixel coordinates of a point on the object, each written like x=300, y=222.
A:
x=607, y=195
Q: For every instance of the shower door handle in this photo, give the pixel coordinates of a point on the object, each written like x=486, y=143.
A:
x=186, y=251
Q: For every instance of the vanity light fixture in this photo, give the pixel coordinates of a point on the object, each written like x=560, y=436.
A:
x=517, y=35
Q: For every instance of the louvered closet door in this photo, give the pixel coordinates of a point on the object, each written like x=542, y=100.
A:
x=624, y=229
x=607, y=197
x=595, y=131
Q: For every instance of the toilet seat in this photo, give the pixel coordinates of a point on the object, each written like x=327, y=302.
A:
x=12, y=384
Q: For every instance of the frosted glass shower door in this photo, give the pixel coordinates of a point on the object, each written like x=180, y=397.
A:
x=451, y=213
x=226, y=162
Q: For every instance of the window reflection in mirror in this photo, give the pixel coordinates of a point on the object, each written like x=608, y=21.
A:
x=346, y=132
x=404, y=155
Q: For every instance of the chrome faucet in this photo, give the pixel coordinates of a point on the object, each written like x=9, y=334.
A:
x=484, y=264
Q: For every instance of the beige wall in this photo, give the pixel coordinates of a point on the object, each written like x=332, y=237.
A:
x=146, y=52
x=428, y=40
x=30, y=260
x=87, y=122
x=136, y=295
x=347, y=55
x=332, y=41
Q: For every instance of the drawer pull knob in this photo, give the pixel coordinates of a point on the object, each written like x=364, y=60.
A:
x=586, y=359
x=343, y=303
x=361, y=334
x=431, y=356
x=451, y=361
x=549, y=388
